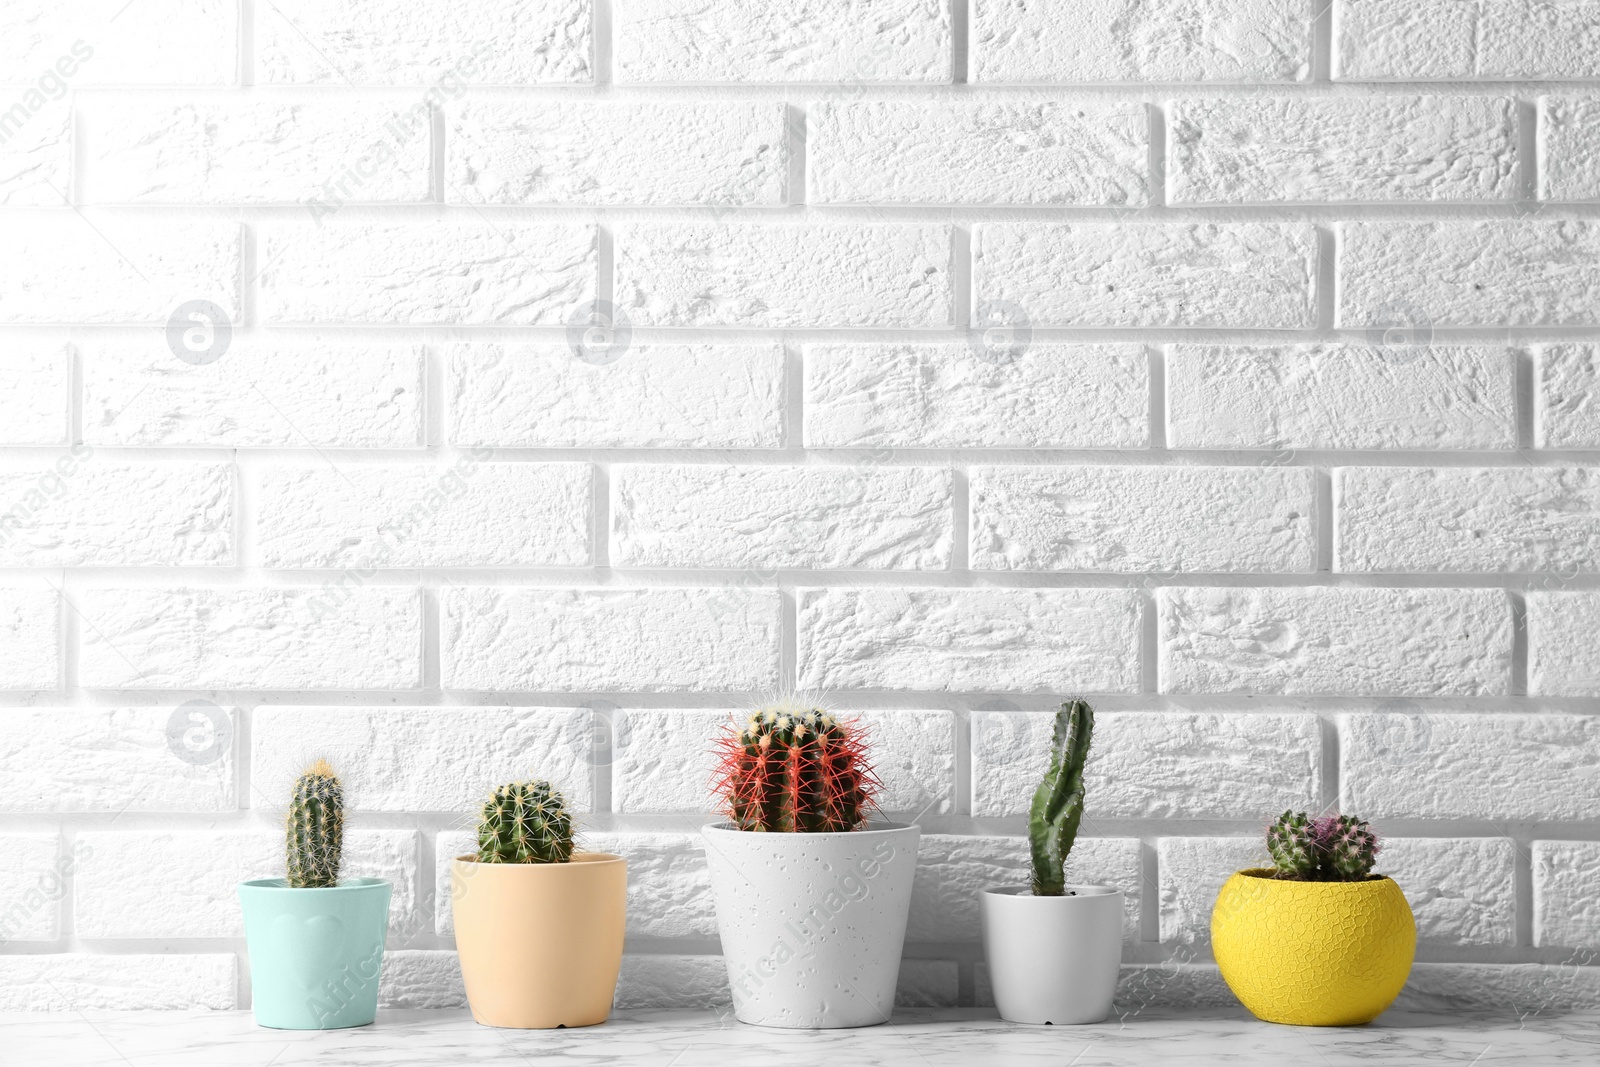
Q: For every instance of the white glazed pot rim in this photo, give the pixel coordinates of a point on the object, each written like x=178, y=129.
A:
x=1083, y=892
x=871, y=830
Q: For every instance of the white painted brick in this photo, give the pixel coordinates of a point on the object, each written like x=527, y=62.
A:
x=1245, y=274
x=1193, y=870
x=1563, y=660
x=33, y=870
x=780, y=274
x=669, y=885
x=654, y=396
x=1471, y=273
x=421, y=978
x=30, y=629
x=1424, y=642
x=36, y=380
x=1380, y=148
x=946, y=396
x=1566, y=912
x=1119, y=519
x=782, y=41
x=1462, y=891
x=1437, y=40
x=35, y=150
x=1470, y=766
x=422, y=759
x=259, y=394
x=1466, y=519
x=446, y=44
x=1026, y=640
x=1139, y=40
x=558, y=152
x=1156, y=765
x=464, y=513
x=138, y=270
x=1569, y=147
x=118, y=982
x=647, y=640
x=691, y=983
x=832, y=517
x=115, y=760
x=914, y=754
x=664, y=760
x=1567, y=400
x=125, y=885
x=80, y=510
x=1520, y=989
x=1340, y=396
x=190, y=42
x=467, y=272
x=334, y=638
x=227, y=149
x=996, y=152
x=1172, y=985
x=927, y=984
x=447, y=846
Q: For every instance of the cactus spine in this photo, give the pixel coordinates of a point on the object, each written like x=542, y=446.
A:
x=794, y=769
x=1334, y=848
x=1058, y=802
x=525, y=822
x=315, y=828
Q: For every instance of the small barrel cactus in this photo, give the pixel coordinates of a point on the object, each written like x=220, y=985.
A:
x=525, y=822
x=1333, y=848
x=1058, y=802
x=315, y=828
x=794, y=769
x=1293, y=848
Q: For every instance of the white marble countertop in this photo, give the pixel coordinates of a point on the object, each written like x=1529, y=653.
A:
x=957, y=1037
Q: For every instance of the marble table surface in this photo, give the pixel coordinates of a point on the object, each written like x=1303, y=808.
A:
x=956, y=1037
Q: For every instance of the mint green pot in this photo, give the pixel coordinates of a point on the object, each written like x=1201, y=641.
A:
x=315, y=954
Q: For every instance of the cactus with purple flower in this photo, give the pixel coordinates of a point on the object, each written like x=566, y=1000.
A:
x=1332, y=848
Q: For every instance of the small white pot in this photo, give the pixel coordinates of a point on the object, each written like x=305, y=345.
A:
x=1052, y=959
x=812, y=925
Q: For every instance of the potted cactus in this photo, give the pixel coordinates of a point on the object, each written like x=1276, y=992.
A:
x=811, y=899
x=1317, y=939
x=315, y=940
x=539, y=926
x=1054, y=949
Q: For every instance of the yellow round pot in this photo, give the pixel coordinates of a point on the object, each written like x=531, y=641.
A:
x=1313, y=953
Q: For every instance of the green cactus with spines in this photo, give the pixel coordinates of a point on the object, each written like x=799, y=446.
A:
x=794, y=769
x=1332, y=848
x=314, y=829
x=1292, y=845
x=1352, y=849
x=1058, y=802
x=525, y=822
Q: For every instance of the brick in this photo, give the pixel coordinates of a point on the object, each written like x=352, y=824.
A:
x=928, y=984
x=80, y=510
x=1462, y=891
x=118, y=982
x=775, y=275
x=100, y=42
x=1569, y=147
x=140, y=271
x=226, y=149
x=1566, y=412
x=1156, y=765
x=335, y=638
x=1118, y=519
x=1171, y=985
x=1156, y=40
x=1518, y=989
x=467, y=272
x=1479, y=273
x=1340, y=397
x=1562, y=659
x=727, y=153
x=144, y=759
x=946, y=396
x=1246, y=274
x=1193, y=871
x=646, y=640
x=1514, y=767
x=421, y=978
x=435, y=759
x=775, y=41
x=1565, y=911
x=36, y=380
x=463, y=513
x=831, y=517
x=914, y=754
x=33, y=873
x=996, y=152
x=1248, y=149
x=448, y=46
x=1366, y=642
x=663, y=759
x=970, y=640
x=687, y=983
x=1437, y=40
x=654, y=396
x=35, y=151
x=1466, y=519
x=669, y=885
x=258, y=394
x=30, y=628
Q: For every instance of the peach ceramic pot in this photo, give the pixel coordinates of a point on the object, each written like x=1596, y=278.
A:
x=540, y=943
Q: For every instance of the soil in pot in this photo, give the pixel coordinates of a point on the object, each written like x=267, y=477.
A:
x=315, y=954
x=1052, y=959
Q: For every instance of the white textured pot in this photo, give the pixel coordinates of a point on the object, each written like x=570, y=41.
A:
x=1052, y=959
x=812, y=924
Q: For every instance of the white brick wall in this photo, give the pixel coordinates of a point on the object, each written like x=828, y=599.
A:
x=581, y=373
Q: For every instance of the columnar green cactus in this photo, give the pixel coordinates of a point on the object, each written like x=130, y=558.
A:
x=525, y=822
x=1334, y=848
x=1058, y=802
x=315, y=828
x=794, y=769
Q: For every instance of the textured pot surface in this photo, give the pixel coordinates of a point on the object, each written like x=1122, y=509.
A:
x=1313, y=953
x=540, y=943
x=1052, y=959
x=812, y=925
x=315, y=954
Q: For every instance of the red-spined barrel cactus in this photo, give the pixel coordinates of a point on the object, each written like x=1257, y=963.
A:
x=794, y=769
x=1333, y=848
